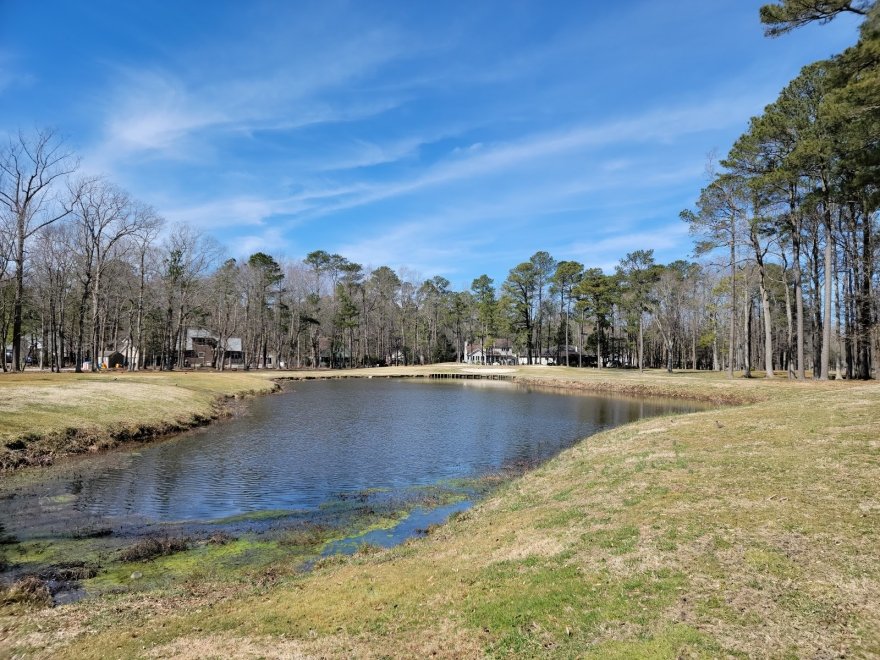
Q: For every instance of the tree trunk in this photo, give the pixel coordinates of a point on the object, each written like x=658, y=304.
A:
x=795, y=228
x=747, y=338
x=863, y=313
x=765, y=303
x=768, y=331
x=17, y=303
x=138, y=348
x=732, y=340
x=789, y=318
x=817, y=305
x=829, y=275
x=80, y=332
x=567, y=352
x=641, y=344
x=716, y=363
x=838, y=367
x=96, y=292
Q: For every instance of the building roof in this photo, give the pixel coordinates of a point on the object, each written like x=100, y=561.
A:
x=232, y=343
x=497, y=347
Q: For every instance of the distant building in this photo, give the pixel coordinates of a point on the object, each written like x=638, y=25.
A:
x=332, y=354
x=113, y=360
x=556, y=356
x=203, y=350
x=499, y=351
x=546, y=358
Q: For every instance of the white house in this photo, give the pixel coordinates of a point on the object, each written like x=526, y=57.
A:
x=499, y=351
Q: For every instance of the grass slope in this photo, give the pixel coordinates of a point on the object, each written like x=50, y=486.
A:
x=45, y=415
x=749, y=530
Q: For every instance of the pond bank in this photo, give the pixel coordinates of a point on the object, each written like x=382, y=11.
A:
x=751, y=531
x=333, y=454
x=46, y=416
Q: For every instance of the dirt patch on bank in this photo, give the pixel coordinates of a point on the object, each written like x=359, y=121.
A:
x=636, y=389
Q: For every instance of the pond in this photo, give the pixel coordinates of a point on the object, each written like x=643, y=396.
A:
x=316, y=446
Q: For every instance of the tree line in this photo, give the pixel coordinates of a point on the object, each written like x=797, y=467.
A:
x=785, y=277
x=796, y=201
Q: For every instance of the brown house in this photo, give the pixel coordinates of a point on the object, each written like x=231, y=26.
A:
x=202, y=349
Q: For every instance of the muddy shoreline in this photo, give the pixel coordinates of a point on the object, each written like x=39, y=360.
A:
x=63, y=566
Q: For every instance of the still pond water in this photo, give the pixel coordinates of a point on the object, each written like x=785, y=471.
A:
x=325, y=441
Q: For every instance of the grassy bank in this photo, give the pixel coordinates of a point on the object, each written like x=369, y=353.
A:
x=746, y=530
x=44, y=416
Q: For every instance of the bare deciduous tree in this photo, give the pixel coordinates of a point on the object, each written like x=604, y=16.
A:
x=30, y=168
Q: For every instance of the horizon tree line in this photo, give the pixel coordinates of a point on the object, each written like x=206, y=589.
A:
x=786, y=277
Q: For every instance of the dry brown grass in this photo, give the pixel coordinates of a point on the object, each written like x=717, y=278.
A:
x=154, y=546
x=44, y=416
x=29, y=591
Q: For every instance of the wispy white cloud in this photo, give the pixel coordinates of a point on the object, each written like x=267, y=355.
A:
x=662, y=125
x=271, y=241
x=363, y=153
x=250, y=209
x=458, y=235
x=436, y=241
x=226, y=212
x=456, y=248
x=660, y=238
x=159, y=112
x=156, y=112
x=11, y=72
x=416, y=245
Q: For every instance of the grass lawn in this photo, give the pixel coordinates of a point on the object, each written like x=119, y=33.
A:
x=44, y=415
x=748, y=530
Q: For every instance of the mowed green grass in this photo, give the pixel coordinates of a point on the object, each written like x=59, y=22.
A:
x=749, y=530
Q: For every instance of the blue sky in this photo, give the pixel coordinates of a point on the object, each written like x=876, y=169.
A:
x=450, y=138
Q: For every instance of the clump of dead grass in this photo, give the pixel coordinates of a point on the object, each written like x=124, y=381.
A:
x=154, y=546
x=221, y=538
x=29, y=591
x=69, y=572
x=307, y=535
